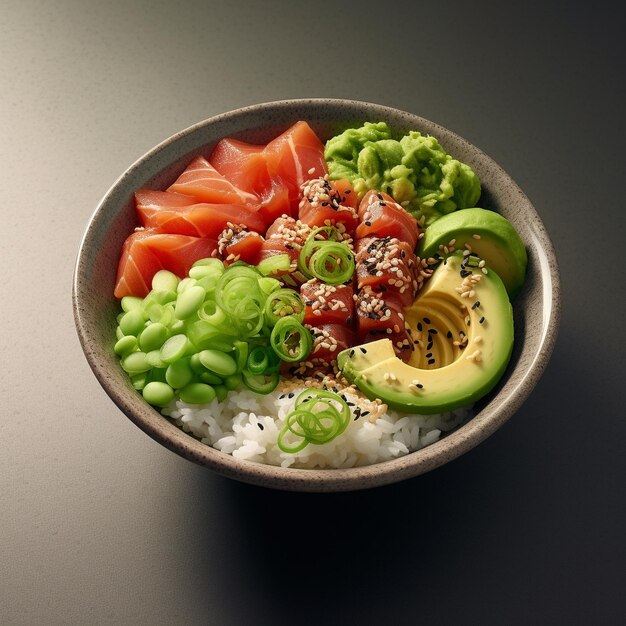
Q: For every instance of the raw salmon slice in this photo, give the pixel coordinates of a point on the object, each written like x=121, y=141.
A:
x=274, y=202
x=328, y=341
x=327, y=304
x=387, y=265
x=325, y=203
x=239, y=244
x=274, y=245
x=145, y=252
x=382, y=216
x=379, y=317
x=243, y=164
x=148, y=202
x=201, y=220
x=202, y=181
x=294, y=157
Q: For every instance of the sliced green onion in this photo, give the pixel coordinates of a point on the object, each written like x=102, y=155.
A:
x=273, y=264
x=290, y=340
x=258, y=360
x=318, y=236
x=241, y=354
x=204, y=335
x=315, y=419
x=332, y=263
x=268, y=285
x=282, y=303
x=325, y=258
x=260, y=384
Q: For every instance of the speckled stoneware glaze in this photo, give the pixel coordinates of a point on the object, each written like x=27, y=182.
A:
x=537, y=307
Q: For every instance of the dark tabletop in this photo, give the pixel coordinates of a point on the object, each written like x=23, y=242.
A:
x=99, y=524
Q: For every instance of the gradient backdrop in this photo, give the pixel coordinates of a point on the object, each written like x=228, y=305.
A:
x=101, y=525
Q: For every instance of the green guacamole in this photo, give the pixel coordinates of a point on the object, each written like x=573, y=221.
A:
x=415, y=170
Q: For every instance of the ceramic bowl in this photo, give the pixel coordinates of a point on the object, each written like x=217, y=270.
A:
x=536, y=308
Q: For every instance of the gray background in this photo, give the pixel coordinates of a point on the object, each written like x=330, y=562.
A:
x=101, y=525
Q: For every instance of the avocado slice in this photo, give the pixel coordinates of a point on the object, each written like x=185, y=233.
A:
x=488, y=234
x=463, y=344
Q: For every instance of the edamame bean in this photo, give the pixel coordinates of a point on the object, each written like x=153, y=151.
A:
x=131, y=302
x=159, y=394
x=157, y=374
x=154, y=358
x=174, y=348
x=179, y=374
x=218, y=362
x=140, y=380
x=152, y=337
x=119, y=333
x=125, y=345
x=232, y=382
x=185, y=283
x=197, y=393
x=200, y=271
x=210, y=378
x=189, y=301
x=220, y=392
x=177, y=327
x=196, y=366
x=210, y=262
x=164, y=280
x=132, y=322
x=135, y=363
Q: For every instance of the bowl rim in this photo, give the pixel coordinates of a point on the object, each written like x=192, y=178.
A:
x=426, y=459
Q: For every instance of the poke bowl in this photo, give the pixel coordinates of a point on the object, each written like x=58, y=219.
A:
x=317, y=295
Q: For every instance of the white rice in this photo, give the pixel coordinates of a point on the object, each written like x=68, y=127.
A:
x=247, y=424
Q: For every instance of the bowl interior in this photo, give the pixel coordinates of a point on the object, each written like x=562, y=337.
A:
x=536, y=308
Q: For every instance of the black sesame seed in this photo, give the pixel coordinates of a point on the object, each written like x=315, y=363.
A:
x=403, y=254
x=419, y=386
x=281, y=396
x=427, y=320
x=429, y=346
x=290, y=395
x=449, y=335
x=261, y=427
x=368, y=223
x=429, y=355
x=419, y=326
x=363, y=350
x=476, y=304
x=364, y=413
x=431, y=361
x=348, y=320
x=347, y=191
x=481, y=320
x=433, y=331
x=379, y=196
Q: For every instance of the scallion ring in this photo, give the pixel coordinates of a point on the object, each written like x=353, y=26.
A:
x=282, y=303
x=290, y=340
